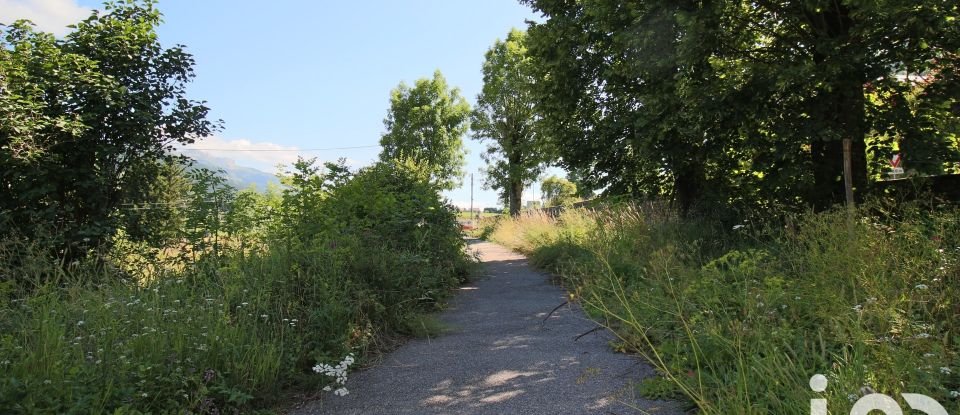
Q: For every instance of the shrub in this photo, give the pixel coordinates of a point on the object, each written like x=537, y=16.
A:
x=247, y=315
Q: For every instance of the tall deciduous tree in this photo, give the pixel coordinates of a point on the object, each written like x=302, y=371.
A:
x=618, y=94
x=426, y=125
x=750, y=99
x=558, y=191
x=90, y=119
x=505, y=118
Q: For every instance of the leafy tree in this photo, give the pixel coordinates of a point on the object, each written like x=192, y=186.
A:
x=558, y=191
x=208, y=203
x=580, y=179
x=810, y=65
x=305, y=189
x=741, y=101
x=505, y=116
x=88, y=120
x=610, y=90
x=156, y=214
x=426, y=124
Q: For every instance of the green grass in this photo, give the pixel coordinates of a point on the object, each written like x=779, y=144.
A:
x=145, y=329
x=737, y=321
x=230, y=336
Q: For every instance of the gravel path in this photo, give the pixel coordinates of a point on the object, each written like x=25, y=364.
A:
x=501, y=357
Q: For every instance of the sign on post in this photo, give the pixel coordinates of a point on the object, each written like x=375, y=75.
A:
x=896, y=171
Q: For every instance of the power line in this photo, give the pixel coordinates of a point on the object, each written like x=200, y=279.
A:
x=275, y=149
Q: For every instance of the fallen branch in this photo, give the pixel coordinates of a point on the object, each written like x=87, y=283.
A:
x=551, y=313
x=588, y=332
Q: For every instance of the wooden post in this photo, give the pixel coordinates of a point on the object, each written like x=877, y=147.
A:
x=848, y=171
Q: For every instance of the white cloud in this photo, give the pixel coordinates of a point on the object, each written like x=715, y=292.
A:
x=260, y=155
x=49, y=15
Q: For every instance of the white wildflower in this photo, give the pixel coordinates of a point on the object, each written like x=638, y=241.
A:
x=945, y=370
x=338, y=372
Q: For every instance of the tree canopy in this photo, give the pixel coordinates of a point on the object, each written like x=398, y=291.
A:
x=745, y=102
x=558, y=191
x=505, y=118
x=426, y=124
x=88, y=122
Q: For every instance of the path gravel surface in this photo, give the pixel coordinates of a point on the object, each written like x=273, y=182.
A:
x=501, y=357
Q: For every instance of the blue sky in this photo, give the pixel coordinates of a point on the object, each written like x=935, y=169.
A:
x=316, y=74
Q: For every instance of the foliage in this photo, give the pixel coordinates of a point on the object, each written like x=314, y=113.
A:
x=558, y=191
x=156, y=215
x=580, y=178
x=738, y=320
x=240, y=312
x=745, y=103
x=504, y=116
x=88, y=121
x=426, y=124
x=131, y=282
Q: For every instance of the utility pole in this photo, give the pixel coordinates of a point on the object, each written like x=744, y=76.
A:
x=471, y=196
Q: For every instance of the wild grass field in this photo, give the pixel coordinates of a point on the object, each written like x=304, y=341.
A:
x=738, y=318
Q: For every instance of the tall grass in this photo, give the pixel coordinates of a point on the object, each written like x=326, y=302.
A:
x=738, y=320
x=143, y=329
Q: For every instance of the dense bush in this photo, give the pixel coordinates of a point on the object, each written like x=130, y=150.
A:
x=256, y=291
x=738, y=320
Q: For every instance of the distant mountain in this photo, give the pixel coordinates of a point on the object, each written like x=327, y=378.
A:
x=241, y=177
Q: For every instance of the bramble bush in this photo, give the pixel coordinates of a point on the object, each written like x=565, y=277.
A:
x=738, y=319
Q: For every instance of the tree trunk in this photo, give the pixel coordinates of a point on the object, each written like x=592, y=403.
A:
x=840, y=109
x=687, y=187
x=515, y=195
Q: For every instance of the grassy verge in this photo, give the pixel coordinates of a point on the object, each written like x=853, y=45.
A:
x=739, y=320
x=233, y=329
